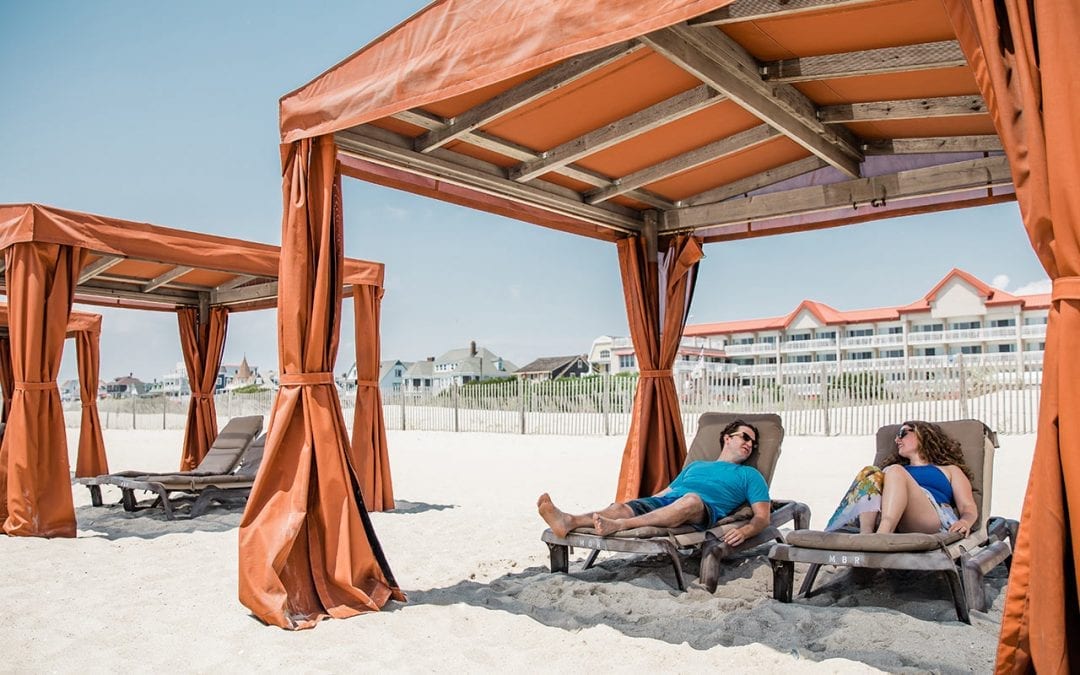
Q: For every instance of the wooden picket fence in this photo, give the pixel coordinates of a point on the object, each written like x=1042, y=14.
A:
x=818, y=399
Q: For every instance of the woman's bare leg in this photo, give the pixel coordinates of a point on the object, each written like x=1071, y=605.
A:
x=562, y=522
x=868, y=522
x=904, y=506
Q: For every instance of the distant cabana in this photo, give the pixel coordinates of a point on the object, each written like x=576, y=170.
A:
x=662, y=126
x=55, y=257
x=85, y=329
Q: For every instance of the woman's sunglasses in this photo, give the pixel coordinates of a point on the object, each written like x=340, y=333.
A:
x=904, y=431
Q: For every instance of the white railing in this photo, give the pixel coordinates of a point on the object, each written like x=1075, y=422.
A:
x=1034, y=331
x=883, y=340
x=753, y=348
x=807, y=345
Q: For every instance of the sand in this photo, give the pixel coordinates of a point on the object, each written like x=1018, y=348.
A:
x=134, y=590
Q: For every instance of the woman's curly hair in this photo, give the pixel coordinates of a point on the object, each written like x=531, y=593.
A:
x=935, y=445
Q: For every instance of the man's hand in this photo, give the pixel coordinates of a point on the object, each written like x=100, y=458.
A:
x=734, y=536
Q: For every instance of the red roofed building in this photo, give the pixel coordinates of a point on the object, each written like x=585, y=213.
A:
x=960, y=315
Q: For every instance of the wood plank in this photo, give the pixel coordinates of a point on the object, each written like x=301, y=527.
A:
x=650, y=118
x=686, y=161
x=755, y=182
x=931, y=145
x=543, y=84
x=239, y=280
x=383, y=147
x=98, y=267
x=928, y=181
x=927, y=56
x=721, y=63
x=752, y=10
x=903, y=109
x=245, y=294
x=162, y=279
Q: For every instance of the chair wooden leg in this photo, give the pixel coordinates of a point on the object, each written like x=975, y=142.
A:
x=783, y=579
x=676, y=562
x=802, y=516
x=95, y=494
x=956, y=585
x=807, y=587
x=560, y=557
x=590, y=559
x=127, y=498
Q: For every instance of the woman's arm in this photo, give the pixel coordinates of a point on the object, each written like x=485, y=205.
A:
x=965, y=501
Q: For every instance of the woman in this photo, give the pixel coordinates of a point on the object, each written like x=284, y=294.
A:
x=923, y=487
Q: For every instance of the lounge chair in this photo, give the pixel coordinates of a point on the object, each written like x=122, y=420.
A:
x=963, y=560
x=669, y=541
x=222, y=459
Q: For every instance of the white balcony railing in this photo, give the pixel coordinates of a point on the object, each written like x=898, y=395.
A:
x=1034, y=331
x=884, y=340
x=808, y=345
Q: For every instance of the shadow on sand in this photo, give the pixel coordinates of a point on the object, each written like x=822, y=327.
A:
x=895, y=621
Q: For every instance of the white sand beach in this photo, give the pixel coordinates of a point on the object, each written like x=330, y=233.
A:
x=135, y=590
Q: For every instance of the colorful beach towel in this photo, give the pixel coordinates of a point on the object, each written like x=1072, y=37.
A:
x=864, y=496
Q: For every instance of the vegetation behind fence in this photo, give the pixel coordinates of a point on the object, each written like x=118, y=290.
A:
x=822, y=399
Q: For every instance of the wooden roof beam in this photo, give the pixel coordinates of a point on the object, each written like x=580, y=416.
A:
x=930, y=181
x=905, y=109
x=927, y=56
x=233, y=296
x=755, y=182
x=238, y=280
x=543, y=84
x=521, y=153
x=752, y=10
x=162, y=279
x=97, y=267
x=664, y=112
x=721, y=63
x=933, y=145
x=686, y=161
x=383, y=147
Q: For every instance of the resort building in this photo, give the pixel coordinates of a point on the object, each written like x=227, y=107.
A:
x=960, y=317
x=696, y=356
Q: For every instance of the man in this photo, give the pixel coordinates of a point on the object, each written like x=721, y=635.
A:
x=702, y=493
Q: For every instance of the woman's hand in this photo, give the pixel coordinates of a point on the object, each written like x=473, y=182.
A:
x=962, y=526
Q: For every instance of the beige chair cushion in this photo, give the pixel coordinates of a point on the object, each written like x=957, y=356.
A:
x=707, y=442
x=877, y=543
x=229, y=444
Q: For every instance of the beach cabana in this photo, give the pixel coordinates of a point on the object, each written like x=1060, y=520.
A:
x=85, y=329
x=664, y=125
x=54, y=257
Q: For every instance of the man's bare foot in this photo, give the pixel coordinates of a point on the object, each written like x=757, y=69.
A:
x=559, y=522
x=606, y=526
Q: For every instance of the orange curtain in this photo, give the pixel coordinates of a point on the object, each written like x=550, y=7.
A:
x=370, y=455
x=307, y=546
x=7, y=379
x=1023, y=55
x=203, y=344
x=34, y=470
x=91, y=460
x=658, y=295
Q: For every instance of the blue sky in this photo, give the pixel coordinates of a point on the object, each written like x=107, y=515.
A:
x=167, y=113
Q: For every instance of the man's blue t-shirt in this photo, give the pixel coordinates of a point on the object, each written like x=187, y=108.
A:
x=724, y=486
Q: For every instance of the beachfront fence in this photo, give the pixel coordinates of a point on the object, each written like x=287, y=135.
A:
x=830, y=398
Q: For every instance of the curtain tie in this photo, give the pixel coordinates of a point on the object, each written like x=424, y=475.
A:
x=305, y=379
x=36, y=386
x=367, y=383
x=1066, y=288
x=655, y=373
x=202, y=396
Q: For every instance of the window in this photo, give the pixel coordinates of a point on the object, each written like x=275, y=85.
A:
x=1006, y=348
x=831, y=356
x=771, y=360
x=895, y=330
x=768, y=339
x=893, y=354
x=745, y=341
x=798, y=337
x=397, y=372
x=861, y=356
x=971, y=349
x=1034, y=320
x=827, y=335
x=605, y=353
x=860, y=332
x=1034, y=346
x=1002, y=323
x=927, y=328
x=800, y=358
x=965, y=325
x=930, y=351
x=627, y=361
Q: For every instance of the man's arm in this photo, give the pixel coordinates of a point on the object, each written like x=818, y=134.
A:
x=738, y=535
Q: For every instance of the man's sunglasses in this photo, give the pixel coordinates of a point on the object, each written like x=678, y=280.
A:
x=904, y=431
x=745, y=436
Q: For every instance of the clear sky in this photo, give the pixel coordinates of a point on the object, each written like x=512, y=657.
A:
x=167, y=113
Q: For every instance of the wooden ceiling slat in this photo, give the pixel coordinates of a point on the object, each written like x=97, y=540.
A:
x=755, y=182
x=927, y=56
x=920, y=108
x=98, y=267
x=161, y=280
x=752, y=10
x=915, y=146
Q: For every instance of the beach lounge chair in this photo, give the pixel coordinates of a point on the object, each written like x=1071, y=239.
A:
x=223, y=458
x=963, y=560
x=670, y=541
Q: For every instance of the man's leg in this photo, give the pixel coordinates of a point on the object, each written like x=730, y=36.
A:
x=685, y=509
x=904, y=506
x=562, y=522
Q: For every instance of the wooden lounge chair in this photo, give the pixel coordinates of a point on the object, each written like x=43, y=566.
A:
x=222, y=459
x=670, y=541
x=963, y=560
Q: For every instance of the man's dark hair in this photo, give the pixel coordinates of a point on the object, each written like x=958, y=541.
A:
x=734, y=426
